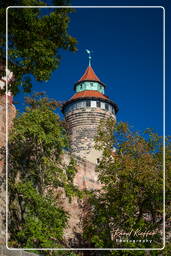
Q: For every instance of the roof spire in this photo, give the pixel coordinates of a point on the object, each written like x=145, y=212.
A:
x=89, y=57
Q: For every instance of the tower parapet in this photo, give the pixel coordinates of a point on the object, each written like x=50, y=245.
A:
x=83, y=113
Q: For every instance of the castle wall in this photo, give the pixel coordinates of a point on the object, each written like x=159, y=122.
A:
x=85, y=178
x=11, y=115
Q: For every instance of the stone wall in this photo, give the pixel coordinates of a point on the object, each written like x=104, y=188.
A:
x=11, y=115
x=85, y=178
x=5, y=252
x=82, y=127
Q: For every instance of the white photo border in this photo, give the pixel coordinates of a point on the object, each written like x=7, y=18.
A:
x=164, y=57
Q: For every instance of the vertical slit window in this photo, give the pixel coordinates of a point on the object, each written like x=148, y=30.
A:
x=98, y=160
x=88, y=104
x=98, y=104
x=106, y=106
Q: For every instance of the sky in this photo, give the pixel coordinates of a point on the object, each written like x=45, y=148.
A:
x=127, y=56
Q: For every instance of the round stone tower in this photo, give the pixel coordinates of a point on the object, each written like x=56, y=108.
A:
x=83, y=113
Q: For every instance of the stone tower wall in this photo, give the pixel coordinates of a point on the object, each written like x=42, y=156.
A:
x=82, y=127
x=86, y=178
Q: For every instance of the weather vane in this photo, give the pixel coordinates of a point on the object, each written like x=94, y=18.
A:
x=89, y=56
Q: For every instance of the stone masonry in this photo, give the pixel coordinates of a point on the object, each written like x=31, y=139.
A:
x=11, y=115
x=82, y=126
x=85, y=178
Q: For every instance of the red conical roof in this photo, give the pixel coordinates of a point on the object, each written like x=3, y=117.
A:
x=89, y=75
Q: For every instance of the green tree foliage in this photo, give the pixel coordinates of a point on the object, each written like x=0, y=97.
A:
x=131, y=199
x=35, y=36
x=38, y=178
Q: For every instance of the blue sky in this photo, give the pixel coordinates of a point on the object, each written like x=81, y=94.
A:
x=127, y=56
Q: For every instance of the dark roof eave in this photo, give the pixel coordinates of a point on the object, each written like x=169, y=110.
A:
x=91, y=98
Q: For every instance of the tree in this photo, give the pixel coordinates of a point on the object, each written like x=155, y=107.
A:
x=130, y=203
x=35, y=37
x=38, y=178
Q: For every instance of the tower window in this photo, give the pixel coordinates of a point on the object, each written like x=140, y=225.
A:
x=91, y=83
x=81, y=86
x=106, y=106
x=102, y=105
x=88, y=103
x=98, y=104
